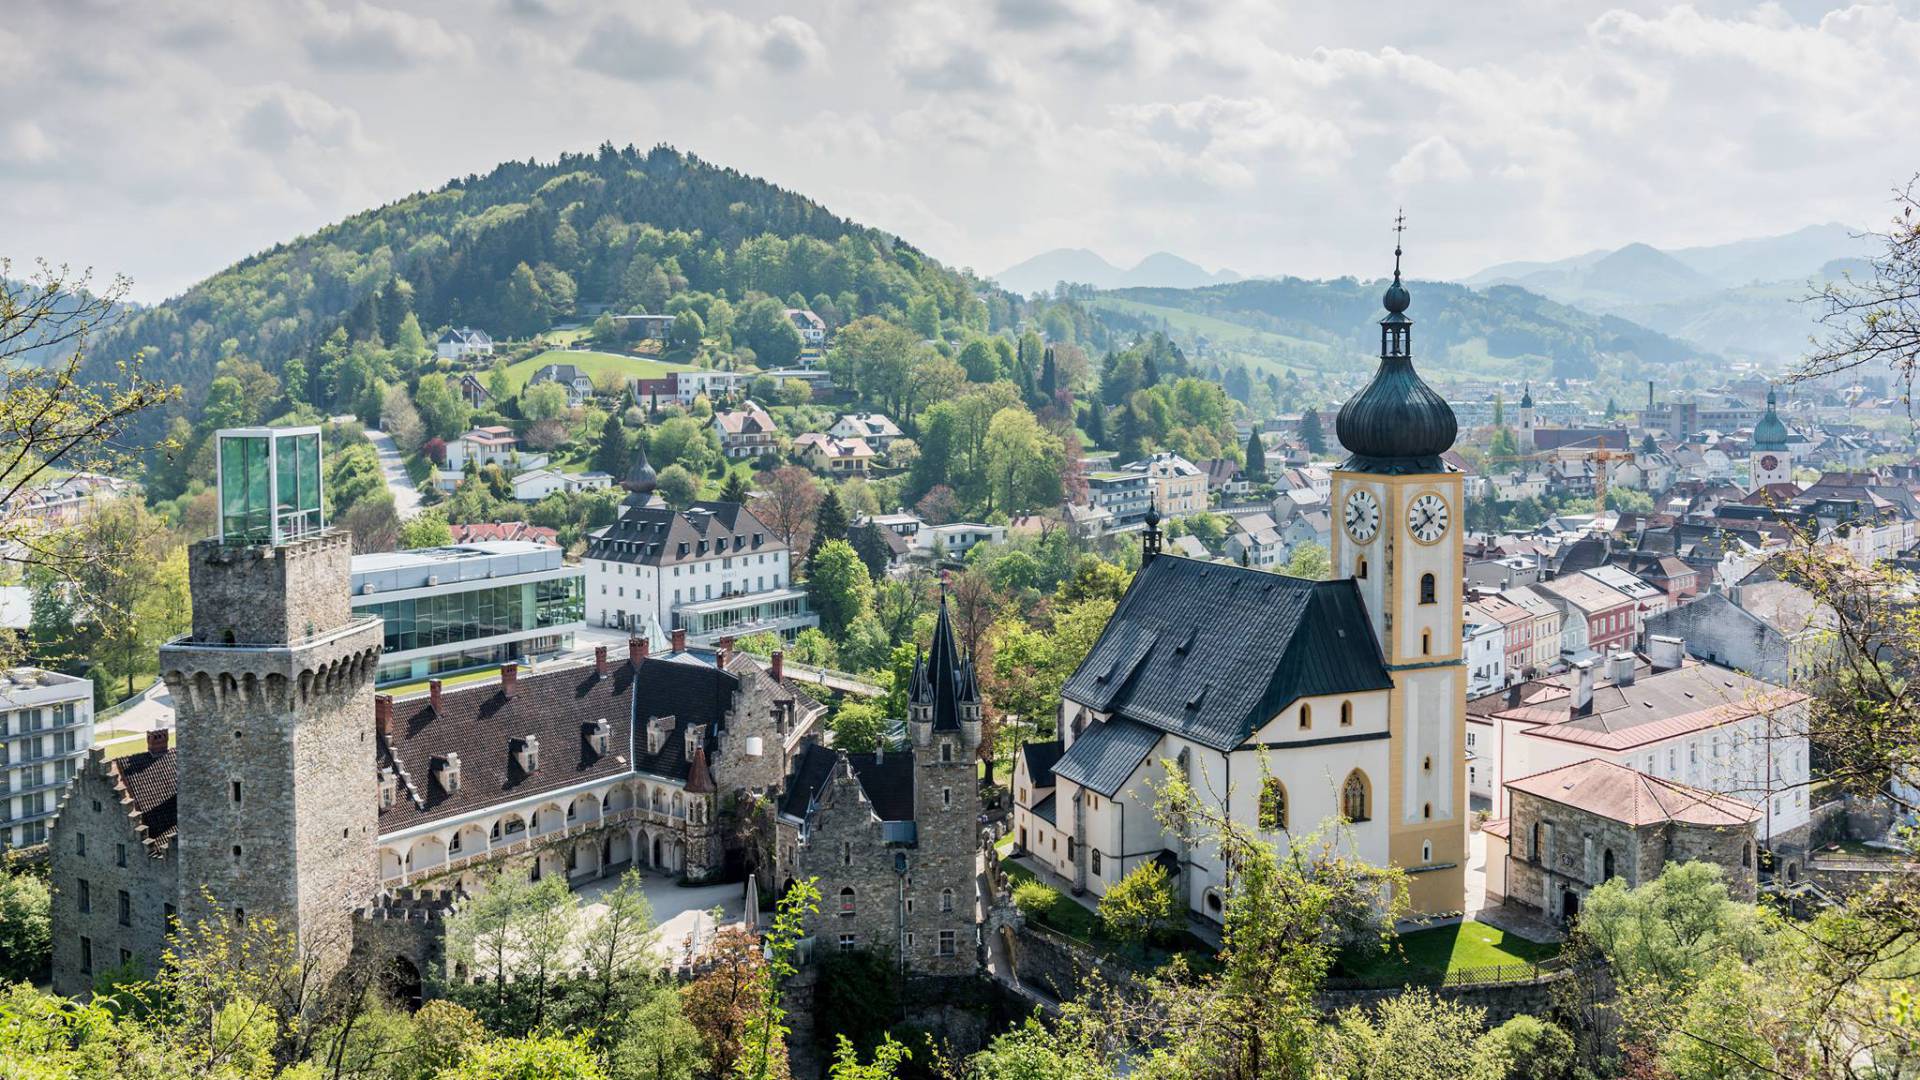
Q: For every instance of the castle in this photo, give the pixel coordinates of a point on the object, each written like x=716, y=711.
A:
x=293, y=792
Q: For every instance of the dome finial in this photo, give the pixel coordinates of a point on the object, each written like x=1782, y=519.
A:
x=1399, y=226
x=1396, y=300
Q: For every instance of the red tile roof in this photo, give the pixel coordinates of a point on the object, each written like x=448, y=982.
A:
x=1632, y=797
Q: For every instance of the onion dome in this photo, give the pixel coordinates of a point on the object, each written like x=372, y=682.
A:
x=1397, y=424
x=640, y=478
x=1526, y=397
x=1770, y=433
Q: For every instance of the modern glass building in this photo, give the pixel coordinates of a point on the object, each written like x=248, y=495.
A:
x=269, y=481
x=471, y=606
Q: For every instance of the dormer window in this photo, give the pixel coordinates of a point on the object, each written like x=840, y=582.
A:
x=598, y=734
x=683, y=549
x=526, y=752
x=446, y=771
x=389, y=787
x=657, y=729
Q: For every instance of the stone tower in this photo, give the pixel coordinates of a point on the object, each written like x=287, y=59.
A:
x=1526, y=441
x=273, y=690
x=943, y=721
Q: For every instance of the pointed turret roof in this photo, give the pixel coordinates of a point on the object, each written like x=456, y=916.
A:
x=1526, y=396
x=941, y=678
x=640, y=478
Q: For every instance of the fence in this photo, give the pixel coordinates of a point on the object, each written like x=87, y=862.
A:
x=1524, y=972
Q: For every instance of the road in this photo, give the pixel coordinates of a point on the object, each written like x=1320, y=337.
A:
x=406, y=497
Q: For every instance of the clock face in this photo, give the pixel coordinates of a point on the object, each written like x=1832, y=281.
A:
x=1427, y=518
x=1769, y=462
x=1363, y=515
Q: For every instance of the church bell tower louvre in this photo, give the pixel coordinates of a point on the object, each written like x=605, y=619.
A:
x=273, y=689
x=1398, y=512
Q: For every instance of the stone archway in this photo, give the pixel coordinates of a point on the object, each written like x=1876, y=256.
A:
x=619, y=848
x=403, y=983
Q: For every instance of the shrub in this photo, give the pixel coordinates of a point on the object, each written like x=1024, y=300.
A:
x=1034, y=900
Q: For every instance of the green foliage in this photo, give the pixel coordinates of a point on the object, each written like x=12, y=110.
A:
x=611, y=454
x=26, y=926
x=859, y=726
x=1034, y=900
x=1308, y=560
x=1412, y=1036
x=765, y=328
x=677, y=485
x=441, y=407
x=857, y=1000
x=685, y=441
x=428, y=529
x=543, y=401
x=839, y=587
x=1525, y=1048
x=517, y=935
x=1141, y=906
x=1254, y=467
x=542, y=1057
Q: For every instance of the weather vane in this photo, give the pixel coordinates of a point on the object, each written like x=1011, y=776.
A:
x=1399, y=226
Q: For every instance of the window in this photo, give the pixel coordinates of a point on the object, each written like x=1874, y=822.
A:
x=1426, y=852
x=846, y=900
x=947, y=942
x=1426, y=810
x=1346, y=714
x=1426, y=643
x=85, y=899
x=946, y=753
x=126, y=908
x=1426, y=589
x=1606, y=866
x=1426, y=763
x=166, y=913
x=1273, y=805
x=233, y=789
x=80, y=844
x=946, y=796
x=847, y=943
x=1534, y=852
x=1306, y=716
x=946, y=899
x=1746, y=855
x=119, y=854
x=1361, y=573
x=1354, y=797
x=126, y=957
x=846, y=853
x=1093, y=859
x=86, y=954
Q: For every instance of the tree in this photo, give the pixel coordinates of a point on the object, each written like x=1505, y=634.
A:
x=789, y=500
x=1310, y=433
x=614, y=951
x=838, y=586
x=26, y=927
x=517, y=935
x=938, y=506
x=1503, y=449
x=720, y=1001
x=542, y=401
x=1141, y=905
x=873, y=549
x=1023, y=463
x=683, y=440
x=408, y=342
x=441, y=406
x=611, y=455
x=763, y=1053
x=1871, y=319
x=1525, y=1048
x=541, y=1057
x=677, y=485
x=1256, y=467
x=130, y=581
x=688, y=331
x=766, y=329
x=735, y=489
x=829, y=522
x=654, y=1040
x=427, y=530
x=1308, y=560
x=373, y=523
x=859, y=726
x=401, y=420
x=1412, y=1035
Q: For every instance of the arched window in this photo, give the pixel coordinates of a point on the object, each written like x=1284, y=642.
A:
x=1361, y=573
x=1746, y=855
x=1606, y=865
x=1426, y=643
x=1346, y=714
x=846, y=900
x=1426, y=810
x=1306, y=716
x=1355, y=797
x=946, y=899
x=1426, y=852
x=1273, y=805
x=1426, y=589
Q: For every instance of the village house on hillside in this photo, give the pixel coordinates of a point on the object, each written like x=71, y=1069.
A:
x=463, y=343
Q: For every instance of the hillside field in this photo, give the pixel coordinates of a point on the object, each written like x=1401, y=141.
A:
x=593, y=363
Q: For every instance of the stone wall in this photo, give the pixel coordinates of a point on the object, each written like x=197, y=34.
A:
x=946, y=864
x=1576, y=844
x=270, y=595
x=93, y=830
x=845, y=850
x=1714, y=630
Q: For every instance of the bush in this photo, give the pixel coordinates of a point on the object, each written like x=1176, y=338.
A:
x=1034, y=900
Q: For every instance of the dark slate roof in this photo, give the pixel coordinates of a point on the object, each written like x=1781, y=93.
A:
x=695, y=695
x=151, y=781
x=1041, y=758
x=887, y=779
x=1046, y=810
x=653, y=534
x=1396, y=423
x=1106, y=754
x=941, y=679
x=479, y=723
x=1211, y=651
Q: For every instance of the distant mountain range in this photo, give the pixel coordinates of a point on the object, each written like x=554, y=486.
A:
x=1079, y=266
x=1741, y=298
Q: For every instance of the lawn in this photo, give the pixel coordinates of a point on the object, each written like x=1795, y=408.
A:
x=1429, y=954
x=593, y=363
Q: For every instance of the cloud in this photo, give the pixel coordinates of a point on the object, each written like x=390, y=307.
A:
x=25, y=142
x=954, y=67
x=283, y=118
x=367, y=36
x=668, y=45
x=1432, y=159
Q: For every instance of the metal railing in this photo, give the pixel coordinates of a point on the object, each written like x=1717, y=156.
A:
x=526, y=840
x=1522, y=972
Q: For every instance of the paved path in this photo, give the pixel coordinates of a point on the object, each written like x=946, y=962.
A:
x=682, y=915
x=406, y=497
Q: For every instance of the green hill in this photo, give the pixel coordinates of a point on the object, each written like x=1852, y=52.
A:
x=514, y=250
x=1307, y=326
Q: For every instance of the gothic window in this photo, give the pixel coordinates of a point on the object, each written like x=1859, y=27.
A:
x=1426, y=810
x=1273, y=805
x=1426, y=589
x=1426, y=852
x=1346, y=714
x=846, y=900
x=1306, y=716
x=1093, y=859
x=946, y=899
x=946, y=752
x=1355, y=797
x=1606, y=865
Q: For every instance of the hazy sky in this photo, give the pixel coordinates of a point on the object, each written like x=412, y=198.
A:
x=168, y=139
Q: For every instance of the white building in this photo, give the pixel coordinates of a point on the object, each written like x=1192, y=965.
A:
x=874, y=429
x=492, y=445
x=469, y=606
x=1485, y=644
x=811, y=328
x=713, y=569
x=956, y=538
x=46, y=729
x=536, y=484
x=463, y=343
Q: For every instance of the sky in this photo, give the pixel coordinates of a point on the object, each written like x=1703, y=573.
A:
x=166, y=139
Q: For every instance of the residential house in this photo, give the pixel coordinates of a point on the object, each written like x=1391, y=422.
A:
x=1545, y=629
x=832, y=455
x=1178, y=486
x=1648, y=598
x=1600, y=618
x=746, y=432
x=492, y=445
x=874, y=429
x=1773, y=630
x=465, y=343
x=1123, y=495
x=478, y=532
x=812, y=328
x=1254, y=540
x=570, y=377
x=1483, y=639
x=536, y=484
x=474, y=392
x=954, y=539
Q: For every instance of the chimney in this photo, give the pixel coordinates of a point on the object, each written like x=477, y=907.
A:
x=600, y=659
x=779, y=665
x=726, y=650
x=433, y=695
x=1514, y=694
x=636, y=650
x=157, y=741
x=1583, y=689
x=680, y=639
x=1622, y=669
x=1667, y=652
x=509, y=678
x=383, y=714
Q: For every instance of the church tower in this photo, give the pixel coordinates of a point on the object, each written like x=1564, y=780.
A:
x=1772, y=463
x=1526, y=439
x=273, y=692
x=943, y=723
x=1400, y=512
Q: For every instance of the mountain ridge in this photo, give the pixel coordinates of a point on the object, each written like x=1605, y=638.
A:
x=1083, y=266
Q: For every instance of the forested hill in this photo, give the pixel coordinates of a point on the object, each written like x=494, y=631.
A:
x=513, y=250
x=1329, y=324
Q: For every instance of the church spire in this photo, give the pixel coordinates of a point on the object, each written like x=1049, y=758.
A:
x=1397, y=424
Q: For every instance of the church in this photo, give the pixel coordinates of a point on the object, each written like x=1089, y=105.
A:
x=1296, y=706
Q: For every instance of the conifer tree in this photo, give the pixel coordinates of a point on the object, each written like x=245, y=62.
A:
x=1256, y=466
x=1311, y=434
x=829, y=522
x=610, y=456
